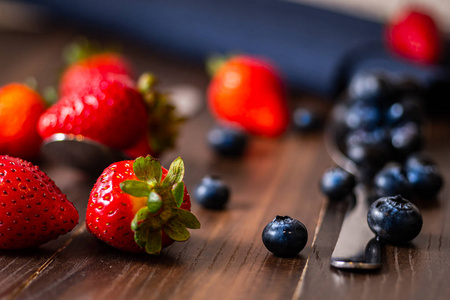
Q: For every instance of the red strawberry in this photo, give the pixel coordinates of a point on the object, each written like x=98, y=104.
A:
x=414, y=35
x=139, y=206
x=20, y=109
x=248, y=91
x=109, y=112
x=87, y=71
x=33, y=210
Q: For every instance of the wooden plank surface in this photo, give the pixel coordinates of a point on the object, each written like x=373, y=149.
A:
x=225, y=259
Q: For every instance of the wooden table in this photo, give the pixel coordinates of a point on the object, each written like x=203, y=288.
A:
x=225, y=259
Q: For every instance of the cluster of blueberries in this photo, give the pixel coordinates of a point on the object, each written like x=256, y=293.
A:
x=380, y=130
x=380, y=123
x=380, y=120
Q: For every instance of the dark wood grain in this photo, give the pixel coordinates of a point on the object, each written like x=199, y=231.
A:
x=225, y=259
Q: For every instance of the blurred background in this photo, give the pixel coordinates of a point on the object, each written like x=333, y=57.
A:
x=317, y=45
x=382, y=10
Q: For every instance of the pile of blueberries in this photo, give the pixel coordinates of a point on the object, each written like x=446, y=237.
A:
x=380, y=127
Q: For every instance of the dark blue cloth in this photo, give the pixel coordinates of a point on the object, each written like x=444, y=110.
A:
x=316, y=50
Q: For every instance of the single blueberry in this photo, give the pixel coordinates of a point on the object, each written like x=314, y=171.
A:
x=425, y=180
x=404, y=111
x=228, y=141
x=306, y=120
x=337, y=183
x=284, y=236
x=376, y=138
x=369, y=87
x=418, y=159
x=363, y=115
x=391, y=181
x=367, y=157
x=394, y=219
x=406, y=139
x=212, y=193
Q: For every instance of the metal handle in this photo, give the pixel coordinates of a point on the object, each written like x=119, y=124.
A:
x=357, y=247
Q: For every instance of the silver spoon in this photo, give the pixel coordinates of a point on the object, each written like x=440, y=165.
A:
x=356, y=247
x=79, y=152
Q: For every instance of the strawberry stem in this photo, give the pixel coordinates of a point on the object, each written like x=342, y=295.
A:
x=163, y=122
x=154, y=202
x=215, y=62
x=164, y=198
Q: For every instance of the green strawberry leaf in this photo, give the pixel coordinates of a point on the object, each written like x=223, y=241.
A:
x=175, y=174
x=153, y=243
x=176, y=231
x=154, y=202
x=148, y=236
x=178, y=193
x=146, y=83
x=137, y=237
x=136, y=188
x=162, y=212
x=188, y=219
x=141, y=215
x=148, y=169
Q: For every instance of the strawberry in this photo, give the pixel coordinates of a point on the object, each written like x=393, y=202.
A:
x=108, y=112
x=139, y=206
x=248, y=91
x=33, y=210
x=87, y=65
x=414, y=35
x=20, y=109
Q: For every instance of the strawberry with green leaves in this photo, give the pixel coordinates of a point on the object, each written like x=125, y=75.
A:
x=33, y=210
x=139, y=206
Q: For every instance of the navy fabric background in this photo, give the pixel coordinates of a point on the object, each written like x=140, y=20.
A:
x=316, y=50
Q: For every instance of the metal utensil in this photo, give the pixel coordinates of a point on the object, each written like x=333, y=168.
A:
x=79, y=152
x=356, y=247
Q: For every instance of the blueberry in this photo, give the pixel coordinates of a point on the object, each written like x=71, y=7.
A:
x=284, y=236
x=377, y=138
x=391, y=181
x=363, y=115
x=337, y=183
x=406, y=139
x=228, y=141
x=394, y=219
x=367, y=157
x=369, y=87
x=306, y=120
x=404, y=111
x=424, y=177
x=418, y=159
x=212, y=193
